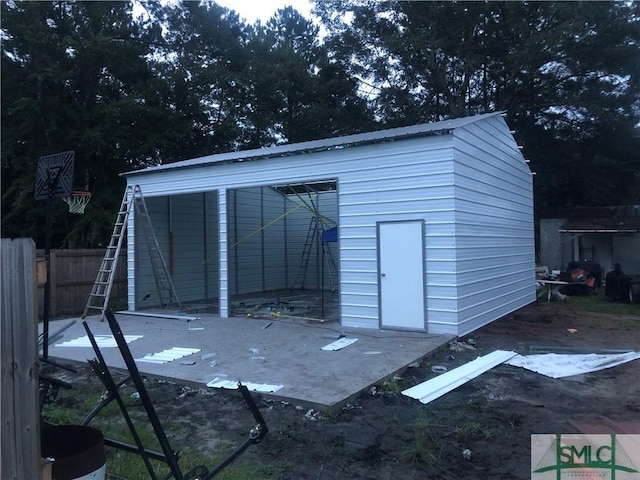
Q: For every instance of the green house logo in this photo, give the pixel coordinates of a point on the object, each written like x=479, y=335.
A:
x=582, y=456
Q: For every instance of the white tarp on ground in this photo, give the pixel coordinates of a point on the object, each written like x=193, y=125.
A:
x=103, y=341
x=556, y=365
x=438, y=386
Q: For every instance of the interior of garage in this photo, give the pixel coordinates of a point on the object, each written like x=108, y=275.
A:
x=282, y=251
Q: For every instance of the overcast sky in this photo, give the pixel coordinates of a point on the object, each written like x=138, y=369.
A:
x=252, y=10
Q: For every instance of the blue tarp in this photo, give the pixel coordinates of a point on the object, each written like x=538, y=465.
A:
x=330, y=235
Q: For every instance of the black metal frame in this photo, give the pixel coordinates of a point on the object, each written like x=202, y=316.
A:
x=170, y=457
x=54, y=179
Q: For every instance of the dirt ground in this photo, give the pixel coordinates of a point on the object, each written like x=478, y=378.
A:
x=386, y=435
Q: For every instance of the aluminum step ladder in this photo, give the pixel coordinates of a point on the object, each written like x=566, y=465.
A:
x=329, y=262
x=306, y=253
x=101, y=291
x=315, y=228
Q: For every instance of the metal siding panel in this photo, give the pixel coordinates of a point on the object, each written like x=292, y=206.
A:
x=188, y=231
x=212, y=265
x=275, y=275
x=232, y=238
x=248, y=246
x=146, y=294
x=346, y=165
x=494, y=217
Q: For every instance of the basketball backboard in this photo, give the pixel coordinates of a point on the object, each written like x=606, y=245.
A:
x=55, y=173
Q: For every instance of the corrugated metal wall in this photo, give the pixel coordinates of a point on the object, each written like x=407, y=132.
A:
x=146, y=294
x=268, y=231
x=494, y=230
x=186, y=227
x=402, y=180
x=478, y=233
x=407, y=180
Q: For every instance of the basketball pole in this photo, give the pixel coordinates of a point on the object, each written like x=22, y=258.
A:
x=51, y=183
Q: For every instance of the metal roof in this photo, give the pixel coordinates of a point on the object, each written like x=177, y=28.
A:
x=444, y=126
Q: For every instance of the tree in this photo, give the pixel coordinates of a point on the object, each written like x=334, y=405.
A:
x=299, y=93
x=75, y=77
x=566, y=73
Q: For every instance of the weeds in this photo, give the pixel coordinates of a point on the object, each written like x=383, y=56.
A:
x=425, y=448
x=391, y=384
x=599, y=304
x=70, y=408
x=473, y=429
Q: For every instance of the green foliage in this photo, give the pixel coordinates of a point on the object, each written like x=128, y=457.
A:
x=391, y=384
x=425, y=448
x=564, y=71
x=470, y=430
x=186, y=79
x=600, y=304
x=75, y=77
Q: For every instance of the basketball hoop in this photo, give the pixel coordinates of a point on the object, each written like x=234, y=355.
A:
x=77, y=201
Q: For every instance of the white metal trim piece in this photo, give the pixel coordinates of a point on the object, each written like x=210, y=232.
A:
x=103, y=341
x=557, y=365
x=438, y=386
x=339, y=344
x=157, y=315
x=168, y=355
x=233, y=385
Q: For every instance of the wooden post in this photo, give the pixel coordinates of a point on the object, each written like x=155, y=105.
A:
x=20, y=367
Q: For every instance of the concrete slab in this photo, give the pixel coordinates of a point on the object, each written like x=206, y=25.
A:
x=291, y=351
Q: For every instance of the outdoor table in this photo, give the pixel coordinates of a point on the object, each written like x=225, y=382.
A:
x=550, y=285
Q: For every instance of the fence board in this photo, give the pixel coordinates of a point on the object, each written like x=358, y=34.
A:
x=72, y=275
x=20, y=430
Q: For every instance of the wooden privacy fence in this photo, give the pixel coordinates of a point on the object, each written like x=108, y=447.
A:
x=73, y=273
x=20, y=430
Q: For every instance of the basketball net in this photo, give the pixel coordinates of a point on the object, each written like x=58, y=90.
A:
x=77, y=201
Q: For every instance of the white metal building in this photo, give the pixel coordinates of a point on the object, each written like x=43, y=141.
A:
x=434, y=225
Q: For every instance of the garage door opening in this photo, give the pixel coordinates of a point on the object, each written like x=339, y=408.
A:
x=186, y=229
x=283, y=251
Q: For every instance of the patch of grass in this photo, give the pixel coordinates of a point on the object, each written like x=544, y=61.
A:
x=391, y=384
x=274, y=470
x=600, y=304
x=131, y=466
x=425, y=448
x=475, y=429
x=71, y=407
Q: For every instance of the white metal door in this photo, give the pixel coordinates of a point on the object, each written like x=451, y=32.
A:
x=401, y=276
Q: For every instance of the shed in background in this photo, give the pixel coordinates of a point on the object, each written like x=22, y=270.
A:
x=604, y=235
